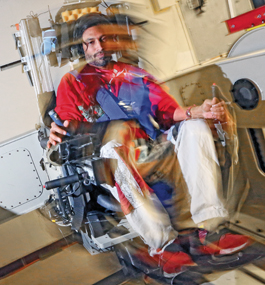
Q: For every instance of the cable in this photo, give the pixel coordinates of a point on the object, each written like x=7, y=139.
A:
x=32, y=15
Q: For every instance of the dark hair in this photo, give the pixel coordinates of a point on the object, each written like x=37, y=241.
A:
x=85, y=22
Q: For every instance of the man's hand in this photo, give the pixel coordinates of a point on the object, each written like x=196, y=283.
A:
x=214, y=109
x=210, y=109
x=57, y=133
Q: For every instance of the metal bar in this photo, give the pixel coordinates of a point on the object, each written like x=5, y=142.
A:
x=114, y=279
x=10, y=65
x=27, y=260
x=231, y=9
x=252, y=274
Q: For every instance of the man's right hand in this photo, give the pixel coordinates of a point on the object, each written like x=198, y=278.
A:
x=57, y=133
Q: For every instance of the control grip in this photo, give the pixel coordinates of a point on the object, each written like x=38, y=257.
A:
x=63, y=181
x=57, y=120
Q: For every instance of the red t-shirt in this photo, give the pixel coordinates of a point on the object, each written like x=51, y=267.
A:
x=76, y=96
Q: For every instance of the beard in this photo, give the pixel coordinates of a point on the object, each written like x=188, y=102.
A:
x=99, y=59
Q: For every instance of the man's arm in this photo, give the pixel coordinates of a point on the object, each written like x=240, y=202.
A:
x=169, y=111
x=73, y=127
x=68, y=96
x=210, y=109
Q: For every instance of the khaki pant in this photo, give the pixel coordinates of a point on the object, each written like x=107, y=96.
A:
x=188, y=164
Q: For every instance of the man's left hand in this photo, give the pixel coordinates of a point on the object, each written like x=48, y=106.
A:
x=214, y=109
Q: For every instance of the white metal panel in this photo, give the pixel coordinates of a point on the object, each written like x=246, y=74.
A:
x=249, y=42
x=250, y=67
x=208, y=31
x=21, y=171
x=21, y=175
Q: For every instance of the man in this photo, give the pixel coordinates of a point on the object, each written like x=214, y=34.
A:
x=139, y=110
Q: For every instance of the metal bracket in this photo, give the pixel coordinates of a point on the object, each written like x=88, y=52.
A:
x=26, y=68
x=24, y=59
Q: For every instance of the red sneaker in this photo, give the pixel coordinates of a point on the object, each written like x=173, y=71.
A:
x=174, y=260
x=226, y=244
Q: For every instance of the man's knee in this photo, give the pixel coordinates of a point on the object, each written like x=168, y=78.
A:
x=198, y=127
x=120, y=131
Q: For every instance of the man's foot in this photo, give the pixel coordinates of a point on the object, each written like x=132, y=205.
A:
x=219, y=245
x=174, y=260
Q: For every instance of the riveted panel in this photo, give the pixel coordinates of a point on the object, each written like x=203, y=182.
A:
x=16, y=170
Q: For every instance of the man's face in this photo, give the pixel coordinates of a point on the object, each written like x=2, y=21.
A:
x=95, y=46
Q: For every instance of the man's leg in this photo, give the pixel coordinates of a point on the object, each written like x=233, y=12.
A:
x=143, y=210
x=200, y=167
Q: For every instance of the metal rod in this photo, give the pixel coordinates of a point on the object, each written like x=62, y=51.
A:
x=10, y=65
x=114, y=279
x=253, y=275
